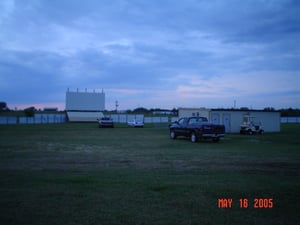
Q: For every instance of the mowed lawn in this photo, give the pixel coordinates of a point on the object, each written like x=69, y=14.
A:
x=76, y=173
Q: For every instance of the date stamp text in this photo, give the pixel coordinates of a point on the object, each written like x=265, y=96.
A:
x=244, y=203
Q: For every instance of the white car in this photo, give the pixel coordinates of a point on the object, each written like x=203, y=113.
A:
x=135, y=123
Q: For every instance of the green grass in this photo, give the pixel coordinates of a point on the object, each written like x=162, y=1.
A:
x=79, y=174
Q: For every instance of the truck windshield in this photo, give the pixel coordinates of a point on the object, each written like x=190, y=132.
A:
x=197, y=120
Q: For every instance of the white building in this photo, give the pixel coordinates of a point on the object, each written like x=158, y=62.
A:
x=187, y=112
x=232, y=119
x=84, y=106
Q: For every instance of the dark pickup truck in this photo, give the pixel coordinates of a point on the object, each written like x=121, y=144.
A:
x=196, y=128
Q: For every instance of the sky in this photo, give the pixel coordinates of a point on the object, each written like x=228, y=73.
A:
x=153, y=54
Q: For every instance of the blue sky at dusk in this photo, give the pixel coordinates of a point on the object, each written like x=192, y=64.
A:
x=152, y=54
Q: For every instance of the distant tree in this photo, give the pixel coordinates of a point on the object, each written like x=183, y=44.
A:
x=269, y=109
x=290, y=112
x=3, y=106
x=141, y=110
x=29, y=111
x=175, y=111
x=244, y=108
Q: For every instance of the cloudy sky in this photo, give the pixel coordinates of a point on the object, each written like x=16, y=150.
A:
x=153, y=54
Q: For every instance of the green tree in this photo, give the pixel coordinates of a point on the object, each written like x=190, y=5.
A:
x=29, y=111
x=3, y=106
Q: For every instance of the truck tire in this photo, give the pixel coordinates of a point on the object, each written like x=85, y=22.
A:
x=193, y=137
x=172, y=134
x=217, y=139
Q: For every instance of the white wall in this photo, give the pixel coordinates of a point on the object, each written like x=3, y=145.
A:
x=84, y=116
x=233, y=119
x=188, y=112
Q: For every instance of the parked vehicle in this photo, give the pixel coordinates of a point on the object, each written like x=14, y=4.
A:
x=105, y=122
x=249, y=126
x=196, y=128
x=135, y=123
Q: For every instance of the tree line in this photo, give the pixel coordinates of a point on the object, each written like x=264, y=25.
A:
x=288, y=112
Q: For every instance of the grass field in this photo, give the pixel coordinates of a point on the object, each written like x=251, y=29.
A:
x=69, y=174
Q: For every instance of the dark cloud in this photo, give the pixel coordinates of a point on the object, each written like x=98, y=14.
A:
x=49, y=46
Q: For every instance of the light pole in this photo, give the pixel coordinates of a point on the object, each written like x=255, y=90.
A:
x=117, y=104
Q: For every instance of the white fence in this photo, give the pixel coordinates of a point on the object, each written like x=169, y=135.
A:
x=290, y=119
x=118, y=118
x=8, y=120
x=36, y=119
x=61, y=118
x=124, y=118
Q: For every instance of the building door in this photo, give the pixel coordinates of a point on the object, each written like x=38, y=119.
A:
x=227, y=122
x=215, y=118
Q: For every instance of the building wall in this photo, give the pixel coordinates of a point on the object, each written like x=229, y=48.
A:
x=233, y=119
x=85, y=101
x=84, y=116
x=187, y=112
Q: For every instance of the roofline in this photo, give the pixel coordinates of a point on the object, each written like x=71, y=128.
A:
x=201, y=108
x=245, y=110
x=228, y=110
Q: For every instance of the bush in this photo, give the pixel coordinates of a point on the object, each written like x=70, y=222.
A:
x=29, y=111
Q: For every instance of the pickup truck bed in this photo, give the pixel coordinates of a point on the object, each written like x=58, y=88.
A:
x=196, y=128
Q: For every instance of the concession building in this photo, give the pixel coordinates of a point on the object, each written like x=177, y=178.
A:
x=232, y=119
